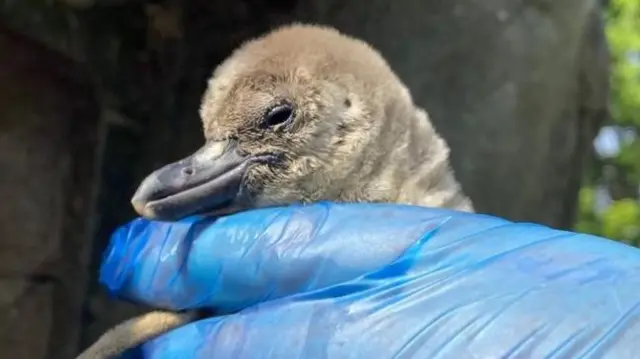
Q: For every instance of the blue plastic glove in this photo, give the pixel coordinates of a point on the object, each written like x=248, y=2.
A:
x=380, y=281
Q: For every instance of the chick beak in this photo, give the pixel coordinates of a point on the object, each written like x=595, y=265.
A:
x=207, y=181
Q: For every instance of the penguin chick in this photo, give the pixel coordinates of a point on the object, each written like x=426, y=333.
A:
x=299, y=115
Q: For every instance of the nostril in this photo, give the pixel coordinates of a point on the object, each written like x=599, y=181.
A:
x=187, y=171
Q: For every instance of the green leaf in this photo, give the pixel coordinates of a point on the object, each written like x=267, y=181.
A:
x=621, y=221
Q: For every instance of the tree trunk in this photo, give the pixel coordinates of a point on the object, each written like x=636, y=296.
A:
x=518, y=88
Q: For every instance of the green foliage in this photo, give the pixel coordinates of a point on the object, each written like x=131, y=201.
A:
x=623, y=32
x=620, y=175
x=622, y=220
x=588, y=221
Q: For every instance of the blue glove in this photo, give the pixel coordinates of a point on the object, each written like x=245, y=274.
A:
x=379, y=281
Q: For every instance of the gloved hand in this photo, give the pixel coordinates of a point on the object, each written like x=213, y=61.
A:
x=379, y=281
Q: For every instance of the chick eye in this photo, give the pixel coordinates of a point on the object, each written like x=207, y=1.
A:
x=278, y=115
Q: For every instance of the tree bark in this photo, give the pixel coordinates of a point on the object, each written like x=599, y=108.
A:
x=518, y=89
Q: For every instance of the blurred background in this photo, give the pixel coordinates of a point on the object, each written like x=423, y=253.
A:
x=538, y=99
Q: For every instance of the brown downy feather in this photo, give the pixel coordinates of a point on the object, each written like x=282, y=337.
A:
x=357, y=137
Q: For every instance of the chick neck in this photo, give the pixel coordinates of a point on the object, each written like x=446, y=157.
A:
x=406, y=162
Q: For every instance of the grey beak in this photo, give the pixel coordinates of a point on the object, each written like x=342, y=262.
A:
x=208, y=179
